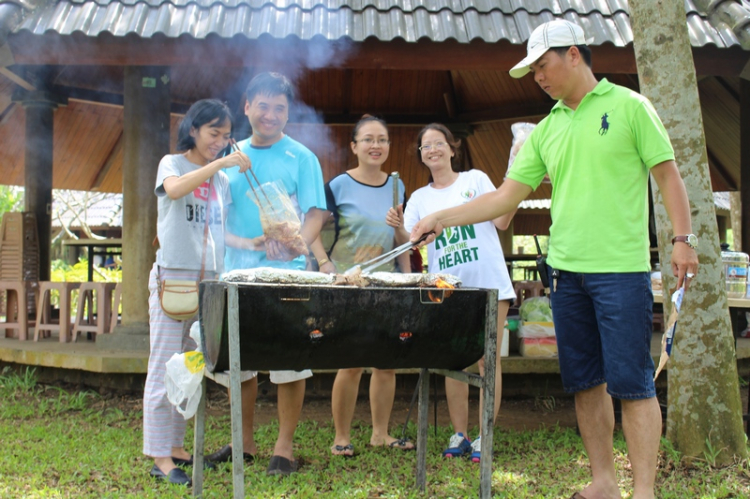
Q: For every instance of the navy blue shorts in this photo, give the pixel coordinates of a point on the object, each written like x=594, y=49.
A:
x=603, y=324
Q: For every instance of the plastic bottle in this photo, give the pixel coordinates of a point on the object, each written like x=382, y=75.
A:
x=735, y=270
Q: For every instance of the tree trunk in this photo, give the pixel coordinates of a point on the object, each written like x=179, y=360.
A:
x=704, y=408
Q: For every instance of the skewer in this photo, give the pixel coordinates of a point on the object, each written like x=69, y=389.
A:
x=394, y=176
x=237, y=148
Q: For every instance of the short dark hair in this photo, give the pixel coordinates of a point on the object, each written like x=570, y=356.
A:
x=583, y=49
x=270, y=84
x=203, y=112
x=452, y=141
x=367, y=118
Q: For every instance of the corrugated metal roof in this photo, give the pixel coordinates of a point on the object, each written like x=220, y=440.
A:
x=535, y=204
x=438, y=20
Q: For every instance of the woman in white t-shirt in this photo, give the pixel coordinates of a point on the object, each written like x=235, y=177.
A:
x=184, y=185
x=472, y=253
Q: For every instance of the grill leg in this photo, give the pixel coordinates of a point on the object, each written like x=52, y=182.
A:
x=488, y=411
x=424, y=400
x=235, y=396
x=198, y=443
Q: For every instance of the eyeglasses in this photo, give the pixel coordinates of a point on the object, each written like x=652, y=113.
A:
x=368, y=141
x=428, y=147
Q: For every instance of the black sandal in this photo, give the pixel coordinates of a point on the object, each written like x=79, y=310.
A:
x=280, y=465
x=184, y=463
x=224, y=455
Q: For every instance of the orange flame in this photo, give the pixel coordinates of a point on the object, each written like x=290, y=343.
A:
x=441, y=284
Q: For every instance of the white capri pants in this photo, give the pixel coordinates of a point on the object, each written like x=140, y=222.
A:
x=163, y=426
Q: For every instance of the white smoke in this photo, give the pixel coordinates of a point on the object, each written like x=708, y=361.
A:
x=295, y=59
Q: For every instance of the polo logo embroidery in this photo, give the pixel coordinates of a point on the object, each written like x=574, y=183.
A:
x=605, y=125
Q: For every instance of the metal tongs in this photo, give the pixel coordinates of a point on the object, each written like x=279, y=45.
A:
x=386, y=257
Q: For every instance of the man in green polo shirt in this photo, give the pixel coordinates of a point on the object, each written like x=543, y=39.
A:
x=598, y=145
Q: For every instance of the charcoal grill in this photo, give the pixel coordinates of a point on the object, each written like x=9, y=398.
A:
x=254, y=326
x=287, y=326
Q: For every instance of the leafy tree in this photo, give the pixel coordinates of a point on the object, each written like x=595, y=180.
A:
x=11, y=199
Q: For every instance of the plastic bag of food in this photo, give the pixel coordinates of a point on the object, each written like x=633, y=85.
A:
x=184, y=375
x=536, y=330
x=536, y=309
x=746, y=332
x=278, y=217
x=538, y=347
x=521, y=132
x=183, y=382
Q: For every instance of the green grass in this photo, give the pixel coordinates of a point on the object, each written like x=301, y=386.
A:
x=60, y=444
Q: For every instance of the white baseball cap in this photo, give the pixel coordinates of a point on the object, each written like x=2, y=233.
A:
x=557, y=33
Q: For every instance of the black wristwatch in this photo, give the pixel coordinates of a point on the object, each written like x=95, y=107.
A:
x=689, y=239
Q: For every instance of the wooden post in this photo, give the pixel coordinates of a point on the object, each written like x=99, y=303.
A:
x=744, y=159
x=145, y=140
x=506, y=240
x=735, y=218
x=40, y=107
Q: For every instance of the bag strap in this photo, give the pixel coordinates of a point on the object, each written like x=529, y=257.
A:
x=205, y=228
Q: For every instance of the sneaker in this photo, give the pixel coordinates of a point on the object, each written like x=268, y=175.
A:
x=458, y=446
x=476, y=450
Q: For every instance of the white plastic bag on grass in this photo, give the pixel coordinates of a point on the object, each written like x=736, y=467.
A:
x=183, y=379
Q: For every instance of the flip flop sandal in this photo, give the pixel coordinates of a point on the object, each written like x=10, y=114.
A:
x=343, y=450
x=400, y=444
x=281, y=466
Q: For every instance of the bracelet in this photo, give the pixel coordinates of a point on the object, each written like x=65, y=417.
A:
x=323, y=262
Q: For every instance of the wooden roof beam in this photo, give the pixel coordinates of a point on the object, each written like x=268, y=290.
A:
x=8, y=112
x=106, y=49
x=720, y=170
x=346, y=97
x=351, y=119
x=513, y=112
x=451, y=98
x=108, y=99
x=107, y=166
x=17, y=79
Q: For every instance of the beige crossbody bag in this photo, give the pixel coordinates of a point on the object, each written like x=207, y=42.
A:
x=178, y=297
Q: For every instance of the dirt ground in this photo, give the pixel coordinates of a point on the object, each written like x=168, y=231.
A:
x=516, y=413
